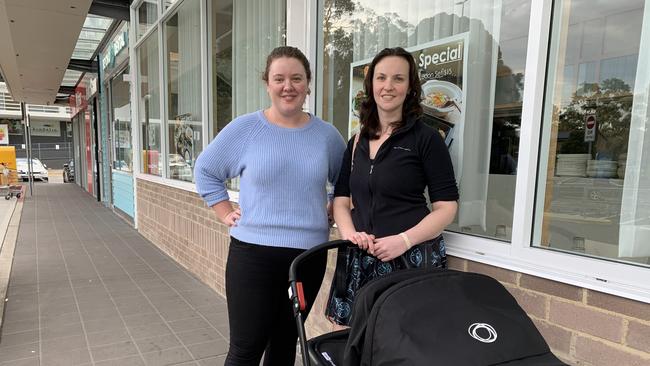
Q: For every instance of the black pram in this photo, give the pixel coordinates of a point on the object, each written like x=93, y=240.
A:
x=426, y=317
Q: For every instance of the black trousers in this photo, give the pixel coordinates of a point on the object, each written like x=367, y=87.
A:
x=259, y=310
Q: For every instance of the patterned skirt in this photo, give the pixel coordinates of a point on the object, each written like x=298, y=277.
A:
x=356, y=267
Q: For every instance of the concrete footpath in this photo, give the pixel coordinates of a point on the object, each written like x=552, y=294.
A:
x=86, y=289
x=10, y=211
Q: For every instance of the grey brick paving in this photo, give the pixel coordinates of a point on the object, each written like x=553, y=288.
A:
x=87, y=289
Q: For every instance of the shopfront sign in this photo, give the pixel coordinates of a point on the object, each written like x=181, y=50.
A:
x=590, y=128
x=92, y=87
x=45, y=128
x=113, y=49
x=78, y=101
x=4, y=134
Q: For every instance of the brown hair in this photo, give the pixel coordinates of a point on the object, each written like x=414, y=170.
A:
x=286, y=51
x=369, y=118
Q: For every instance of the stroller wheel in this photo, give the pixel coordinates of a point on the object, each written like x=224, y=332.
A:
x=18, y=195
x=8, y=196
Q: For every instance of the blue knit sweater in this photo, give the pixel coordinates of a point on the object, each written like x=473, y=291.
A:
x=283, y=177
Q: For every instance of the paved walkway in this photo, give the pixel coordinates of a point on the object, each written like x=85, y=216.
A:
x=87, y=289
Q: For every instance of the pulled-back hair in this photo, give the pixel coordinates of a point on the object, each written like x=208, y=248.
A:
x=286, y=51
x=369, y=117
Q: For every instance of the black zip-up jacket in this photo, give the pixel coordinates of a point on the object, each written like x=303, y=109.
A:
x=388, y=192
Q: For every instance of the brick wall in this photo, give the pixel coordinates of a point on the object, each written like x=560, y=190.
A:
x=180, y=224
x=583, y=327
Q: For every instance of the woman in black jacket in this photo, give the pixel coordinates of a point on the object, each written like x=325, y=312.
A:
x=385, y=172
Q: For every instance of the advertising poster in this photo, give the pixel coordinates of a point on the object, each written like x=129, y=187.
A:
x=4, y=134
x=442, y=69
x=124, y=139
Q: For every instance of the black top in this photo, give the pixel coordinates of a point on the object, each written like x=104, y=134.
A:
x=388, y=192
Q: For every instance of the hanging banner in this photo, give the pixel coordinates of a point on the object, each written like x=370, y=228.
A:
x=441, y=66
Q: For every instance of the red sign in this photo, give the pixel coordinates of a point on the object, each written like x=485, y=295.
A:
x=89, y=156
x=590, y=128
x=78, y=101
x=591, y=122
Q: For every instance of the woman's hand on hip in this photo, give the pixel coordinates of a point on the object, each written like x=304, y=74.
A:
x=232, y=217
x=363, y=240
x=389, y=247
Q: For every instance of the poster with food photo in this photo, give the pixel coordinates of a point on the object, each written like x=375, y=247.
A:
x=442, y=68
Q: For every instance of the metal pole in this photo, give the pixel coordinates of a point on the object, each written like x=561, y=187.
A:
x=28, y=148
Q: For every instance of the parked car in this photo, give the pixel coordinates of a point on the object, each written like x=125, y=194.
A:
x=39, y=170
x=68, y=172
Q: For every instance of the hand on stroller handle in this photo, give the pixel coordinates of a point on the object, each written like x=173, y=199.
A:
x=313, y=251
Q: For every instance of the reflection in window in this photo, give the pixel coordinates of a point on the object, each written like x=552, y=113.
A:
x=149, y=104
x=594, y=185
x=222, y=63
x=121, y=115
x=484, y=134
x=183, y=67
x=147, y=15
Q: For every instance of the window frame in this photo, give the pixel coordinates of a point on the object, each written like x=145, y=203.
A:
x=163, y=15
x=205, y=118
x=621, y=279
x=616, y=278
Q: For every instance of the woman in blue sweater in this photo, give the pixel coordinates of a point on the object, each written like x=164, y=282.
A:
x=285, y=157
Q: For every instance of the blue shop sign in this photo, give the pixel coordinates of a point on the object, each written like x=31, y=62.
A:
x=117, y=45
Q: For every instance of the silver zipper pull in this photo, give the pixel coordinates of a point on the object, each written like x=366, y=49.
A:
x=371, y=166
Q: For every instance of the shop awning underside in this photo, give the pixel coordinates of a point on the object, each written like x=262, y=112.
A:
x=48, y=45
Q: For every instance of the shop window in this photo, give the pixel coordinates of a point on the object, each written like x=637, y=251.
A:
x=183, y=68
x=482, y=128
x=121, y=119
x=169, y=3
x=593, y=194
x=238, y=57
x=147, y=15
x=149, y=105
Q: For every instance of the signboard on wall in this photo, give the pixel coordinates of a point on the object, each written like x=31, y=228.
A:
x=45, y=128
x=78, y=101
x=4, y=134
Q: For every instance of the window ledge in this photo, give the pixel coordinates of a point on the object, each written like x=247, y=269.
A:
x=186, y=186
x=590, y=273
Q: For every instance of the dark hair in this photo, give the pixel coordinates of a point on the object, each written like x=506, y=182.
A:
x=369, y=118
x=286, y=51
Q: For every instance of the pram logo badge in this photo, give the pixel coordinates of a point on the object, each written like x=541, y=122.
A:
x=475, y=328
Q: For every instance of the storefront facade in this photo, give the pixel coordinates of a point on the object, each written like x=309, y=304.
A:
x=83, y=142
x=117, y=124
x=548, y=137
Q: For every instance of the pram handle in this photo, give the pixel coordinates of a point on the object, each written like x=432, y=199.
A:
x=296, y=294
x=313, y=251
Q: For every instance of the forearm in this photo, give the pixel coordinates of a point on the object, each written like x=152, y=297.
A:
x=434, y=223
x=222, y=209
x=343, y=216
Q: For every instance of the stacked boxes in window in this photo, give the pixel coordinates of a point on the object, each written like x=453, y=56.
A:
x=571, y=165
x=601, y=168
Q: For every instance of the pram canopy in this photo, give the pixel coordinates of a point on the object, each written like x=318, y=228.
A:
x=434, y=317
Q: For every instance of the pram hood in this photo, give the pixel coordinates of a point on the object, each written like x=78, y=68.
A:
x=425, y=317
